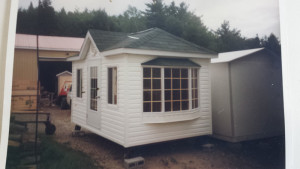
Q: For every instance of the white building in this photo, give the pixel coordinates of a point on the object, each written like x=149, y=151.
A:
x=141, y=88
x=247, y=95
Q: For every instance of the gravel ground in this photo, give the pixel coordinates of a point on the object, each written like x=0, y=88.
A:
x=180, y=154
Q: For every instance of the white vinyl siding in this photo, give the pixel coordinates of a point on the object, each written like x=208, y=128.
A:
x=139, y=132
x=124, y=122
x=112, y=119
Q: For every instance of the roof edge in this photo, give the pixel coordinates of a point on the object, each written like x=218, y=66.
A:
x=219, y=60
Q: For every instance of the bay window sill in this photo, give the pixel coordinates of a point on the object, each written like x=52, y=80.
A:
x=167, y=117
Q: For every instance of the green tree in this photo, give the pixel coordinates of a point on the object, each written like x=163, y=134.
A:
x=47, y=21
x=229, y=39
x=272, y=43
x=251, y=43
x=27, y=20
x=155, y=14
x=132, y=20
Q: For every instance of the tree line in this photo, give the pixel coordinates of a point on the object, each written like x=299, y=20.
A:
x=176, y=19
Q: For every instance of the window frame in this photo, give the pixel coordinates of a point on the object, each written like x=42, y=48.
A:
x=162, y=68
x=93, y=88
x=79, y=86
x=113, y=101
x=152, y=90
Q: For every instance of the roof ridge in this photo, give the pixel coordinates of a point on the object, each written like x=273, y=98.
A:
x=142, y=31
x=189, y=43
x=145, y=38
x=99, y=30
x=242, y=50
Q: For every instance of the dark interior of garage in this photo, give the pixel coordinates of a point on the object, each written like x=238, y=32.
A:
x=48, y=71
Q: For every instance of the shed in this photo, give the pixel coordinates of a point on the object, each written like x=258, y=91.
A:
x=247, y=95
x=64, y=81
x=141, y=88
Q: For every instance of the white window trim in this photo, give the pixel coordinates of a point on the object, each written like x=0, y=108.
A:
x=172, y=116
x=109, y=105
x=74, y=87
x=81, y=88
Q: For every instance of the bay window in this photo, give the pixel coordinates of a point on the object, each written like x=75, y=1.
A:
x=168, y=89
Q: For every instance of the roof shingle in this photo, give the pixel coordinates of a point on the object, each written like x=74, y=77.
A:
x=150, y=39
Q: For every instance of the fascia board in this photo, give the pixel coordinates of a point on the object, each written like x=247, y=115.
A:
x=156, y=53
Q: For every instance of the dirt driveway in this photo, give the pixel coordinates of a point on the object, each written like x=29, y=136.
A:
x=181, y=154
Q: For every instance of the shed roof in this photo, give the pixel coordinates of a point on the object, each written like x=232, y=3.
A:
x=150, y=39
x=65, y=73
x=171, y=62
x=230, y=56
x=25, y=41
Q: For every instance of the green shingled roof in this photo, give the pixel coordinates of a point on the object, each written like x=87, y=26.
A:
x=150, y=39
x=171, y=62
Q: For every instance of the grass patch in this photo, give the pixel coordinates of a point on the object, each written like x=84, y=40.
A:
x=59, y=156
x=13, y=157
x=52, y=156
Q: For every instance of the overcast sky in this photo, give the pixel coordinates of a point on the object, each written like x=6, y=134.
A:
x=250, y=16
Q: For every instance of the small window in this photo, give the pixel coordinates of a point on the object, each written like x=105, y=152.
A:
x=79, y=83
x=152, y=89
x=112, y=85
x=195, y=88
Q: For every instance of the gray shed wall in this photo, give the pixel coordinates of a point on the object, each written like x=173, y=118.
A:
x=221, y=109
x=256, y=96
x=255, y=105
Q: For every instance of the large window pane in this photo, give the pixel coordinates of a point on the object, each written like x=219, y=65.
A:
x=175, y=73
x=176, y=94
x=167, y=95
x=156, y=84
x=167, y=106
x=176, y=83
x=156, y=95
x=176, y=106
x=156, y=72
x=147, y=72
x=184, y=94
x=167, y=83
x=184, y=73
x=147, y=107
x=156, y=106
x=167, y=73
x=147, y=83
x=184, y=84
x=147, y=96
x=185, y=105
